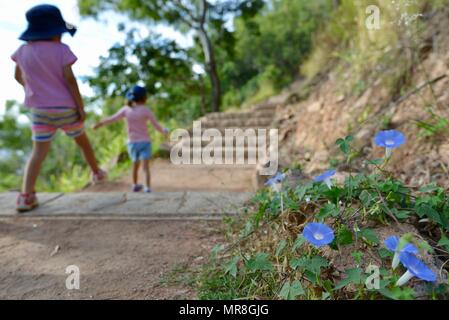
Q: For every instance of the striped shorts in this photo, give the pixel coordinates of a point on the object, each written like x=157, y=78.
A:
x=46, y=121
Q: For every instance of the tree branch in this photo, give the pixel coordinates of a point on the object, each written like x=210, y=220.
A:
x=185, y=10
x=204, y=8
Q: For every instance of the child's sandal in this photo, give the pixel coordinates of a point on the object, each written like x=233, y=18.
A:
x=26, y=202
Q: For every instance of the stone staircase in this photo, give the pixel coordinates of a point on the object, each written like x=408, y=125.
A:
x=259, y=117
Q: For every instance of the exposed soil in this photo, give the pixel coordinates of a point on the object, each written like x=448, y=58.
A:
x=117, y=259
x=309, y=128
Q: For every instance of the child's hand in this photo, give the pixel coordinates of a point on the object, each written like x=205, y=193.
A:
x=96, y=126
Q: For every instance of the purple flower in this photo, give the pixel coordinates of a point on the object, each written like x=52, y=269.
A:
x=415, y=268
x=326, y=178
x=318, y=234
x=390, y=140
x=392, y=244
x=277, y=179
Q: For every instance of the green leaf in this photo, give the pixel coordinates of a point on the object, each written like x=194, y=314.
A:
x=298, y=242
x=290, y=291
x=260, y=263
x=429, y=188
x=401, y=214
x=397, y=293
x=231, y=266
x=216, y=249
x=366, y=198
x=353, y=276
x=370, y=236
x=344, y=235
x=300, y=192
x=298, y=263
x=384, y=253
x=312, y=265
x=327, y=211
x=316, y=263
x=291, y=204
x=344, y=144
x=425, y=210
x=444, y=242
x=376, y=162
x=334, y=194
x=357, y=255
x=281, y=246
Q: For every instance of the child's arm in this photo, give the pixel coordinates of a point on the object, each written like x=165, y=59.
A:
x=155, y=123
x=18, y=76
x=74, y=90
x=116, y=117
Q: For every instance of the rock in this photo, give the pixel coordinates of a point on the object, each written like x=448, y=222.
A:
x=341, y=98
x=315, y=107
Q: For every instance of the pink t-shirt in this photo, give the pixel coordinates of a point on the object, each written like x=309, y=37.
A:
x=137, y=119
x=42, y=63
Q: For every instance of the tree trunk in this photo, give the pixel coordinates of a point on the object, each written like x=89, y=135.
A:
x=336, y=4
x=211, y=68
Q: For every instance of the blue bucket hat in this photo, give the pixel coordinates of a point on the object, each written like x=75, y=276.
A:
x=45, y=21
x=136, y=93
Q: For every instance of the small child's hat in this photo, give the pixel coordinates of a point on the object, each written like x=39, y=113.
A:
x=45, y=21
x=136, y=93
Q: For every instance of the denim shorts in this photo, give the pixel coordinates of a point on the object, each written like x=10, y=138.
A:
x=139, y=151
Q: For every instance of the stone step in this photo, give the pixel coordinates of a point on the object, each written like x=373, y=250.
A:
x=245, y=150
x=263, y=113
x=225, y=142
x=266, y=106
x=243, y=128
x=256, y=122
x=117, y=205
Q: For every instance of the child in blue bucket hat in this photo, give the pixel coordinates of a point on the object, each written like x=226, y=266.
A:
x=137, y=116
x=44, y=69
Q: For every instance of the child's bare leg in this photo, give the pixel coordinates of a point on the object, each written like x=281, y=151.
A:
x=84, y=143
x=146, y=170
x=136, y=166
x=33, y=167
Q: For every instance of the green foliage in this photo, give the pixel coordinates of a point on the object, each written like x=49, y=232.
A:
x=358, y=211
x=248, y=67
x=290, y=291
x=174, y=90
x=64, y=169
x=255, y=70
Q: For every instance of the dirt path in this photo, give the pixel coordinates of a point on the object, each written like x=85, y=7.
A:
x=117, y=259
x=168, y=178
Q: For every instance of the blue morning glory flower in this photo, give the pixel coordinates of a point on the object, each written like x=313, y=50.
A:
x=326, y=178
x=276, y=180
x=392, y=244
x=318, y=234
x=389, y=139
x=415, y=268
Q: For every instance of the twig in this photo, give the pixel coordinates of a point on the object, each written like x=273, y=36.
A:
x=419, y=88
x=388, y=210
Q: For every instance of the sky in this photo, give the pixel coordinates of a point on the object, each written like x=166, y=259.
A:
x=92, y=40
